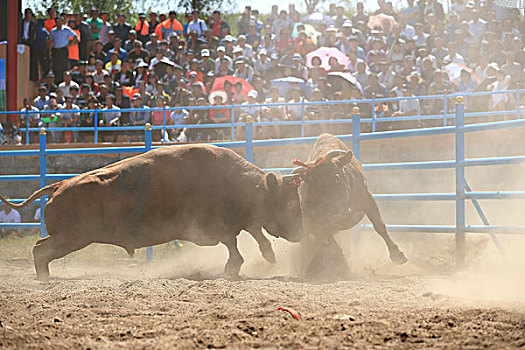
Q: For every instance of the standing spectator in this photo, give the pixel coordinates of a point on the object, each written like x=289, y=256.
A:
x=153, y=22
x=61, y=38
x=95, y=24
x=106, y=27
x=196, y=24
x=244, y=20
x=411, y=13
x=122, y=28
x=29, y=38
x=9, y=215
x=218, y=26
x=50, y=22
x=170, y=25
x=142, y=28
x=40, y=50
x=361, y=16
x=85, y=36
x=73, y=50
x=282, y=22
x=128, y=44
x=110, y=117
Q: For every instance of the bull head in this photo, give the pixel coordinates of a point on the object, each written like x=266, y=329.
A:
x=303, y=168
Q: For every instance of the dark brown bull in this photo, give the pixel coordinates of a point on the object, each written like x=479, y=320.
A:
x=198, y=193
x=335, y=196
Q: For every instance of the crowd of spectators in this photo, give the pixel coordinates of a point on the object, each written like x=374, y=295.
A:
x=89, y=62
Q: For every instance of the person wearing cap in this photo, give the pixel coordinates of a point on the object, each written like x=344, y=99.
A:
x=252, y=111
x=206, y=64
x=111, y=41
x=61, y=38
x=42, y=99
x=79, y=74
x=142, y=28
x=242, y=70
x=407, y=107
x=132, y=39
x=223, y=68
x=219, y=115
x=106, y=27
x=247, y=50
x=221, y=54
x=95, y=25
x=138, y=52
x=262, y=63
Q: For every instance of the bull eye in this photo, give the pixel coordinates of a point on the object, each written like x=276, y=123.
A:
x=291, y=205
x=337, y=178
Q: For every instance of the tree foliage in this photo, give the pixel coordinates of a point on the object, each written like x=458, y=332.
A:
x=204, y=6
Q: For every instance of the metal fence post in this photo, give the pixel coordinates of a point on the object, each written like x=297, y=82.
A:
x=43, y=172
x=373, y=112
x=356, y=133
x=147, y=145
x=232, y=117
x=302, y=117
x=96, y=126
x=460, y=183
x=163, y=125
x=249, y=138
x=445, y=110
x=518, y=103
x=356, y=149
x=27, y=126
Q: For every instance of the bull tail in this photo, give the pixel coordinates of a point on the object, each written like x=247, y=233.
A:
x=41, y=192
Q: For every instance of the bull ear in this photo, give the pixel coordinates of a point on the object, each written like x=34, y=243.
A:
x=345, y=159
x=271, y=182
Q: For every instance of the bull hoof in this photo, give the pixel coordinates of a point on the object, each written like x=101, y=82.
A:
x=398, y=258
x=269, y=256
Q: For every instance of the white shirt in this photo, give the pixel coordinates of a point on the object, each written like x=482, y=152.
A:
x=26, y=30
x=12, y=217
x=199, y=26
x=65, y=88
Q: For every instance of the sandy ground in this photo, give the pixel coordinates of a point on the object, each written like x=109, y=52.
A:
x=101, y=299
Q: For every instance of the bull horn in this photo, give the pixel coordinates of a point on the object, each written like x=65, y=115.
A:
x=335, y=153
x=291, y=178
x=298, y=171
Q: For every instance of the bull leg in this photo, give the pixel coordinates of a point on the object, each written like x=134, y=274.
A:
x=235, y=261
x=265, y=246
x=323, y=259
x=49, y=249
x=372, y=212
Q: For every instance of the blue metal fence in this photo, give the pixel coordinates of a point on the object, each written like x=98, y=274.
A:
x=463, y=191
x=373, y=120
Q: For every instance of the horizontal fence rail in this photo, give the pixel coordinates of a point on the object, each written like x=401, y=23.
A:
x=463, y=192
x=233, y=123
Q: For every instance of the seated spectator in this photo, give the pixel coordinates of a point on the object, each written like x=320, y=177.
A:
x=42, y=100
x=9, y=215
x=110, y=117
x=87, y=119
x=70, y=118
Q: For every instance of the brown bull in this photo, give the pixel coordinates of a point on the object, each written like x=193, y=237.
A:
x=198, y=193
x=335, y=196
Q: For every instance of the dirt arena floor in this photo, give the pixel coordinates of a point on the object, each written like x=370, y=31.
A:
x=99, y=299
